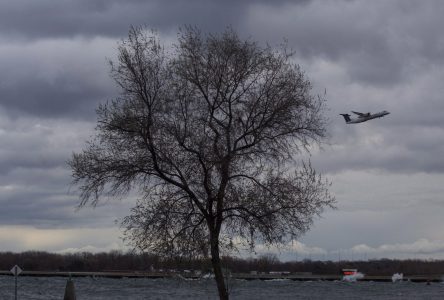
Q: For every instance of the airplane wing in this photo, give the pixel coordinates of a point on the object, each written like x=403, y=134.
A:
x=361, y=114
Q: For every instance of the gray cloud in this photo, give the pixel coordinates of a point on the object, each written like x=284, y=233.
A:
x=34, y=178
x=369, y=55
x=43, y=19
x=379, y=42
x=40, y=198
x=65, y=96
x=66, y=18
x=55, y=78
x=407, y=150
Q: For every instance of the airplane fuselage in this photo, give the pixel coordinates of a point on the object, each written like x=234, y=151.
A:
x=364, y=117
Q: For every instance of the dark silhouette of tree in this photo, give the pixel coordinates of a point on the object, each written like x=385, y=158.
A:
x=209, y=134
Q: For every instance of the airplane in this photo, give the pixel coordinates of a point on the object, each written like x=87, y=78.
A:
x=362, y=117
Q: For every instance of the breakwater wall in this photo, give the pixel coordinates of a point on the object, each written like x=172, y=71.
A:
x=244, y=276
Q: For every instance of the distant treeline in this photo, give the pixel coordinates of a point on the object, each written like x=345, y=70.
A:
x=119, y=261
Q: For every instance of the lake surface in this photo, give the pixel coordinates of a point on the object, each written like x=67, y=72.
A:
x=47, y=288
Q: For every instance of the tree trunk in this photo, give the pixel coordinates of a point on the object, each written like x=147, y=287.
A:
x=217, y=268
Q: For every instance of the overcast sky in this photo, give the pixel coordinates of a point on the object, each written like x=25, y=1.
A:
x=387, y=174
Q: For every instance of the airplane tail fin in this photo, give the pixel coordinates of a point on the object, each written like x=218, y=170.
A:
x=346, y=117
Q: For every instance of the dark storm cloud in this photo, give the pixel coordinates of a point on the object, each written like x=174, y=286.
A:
x=54, y=73
x=47, y=69
x=65, y=18
x=46, y=18
x=63, y=97
x=55, y=78
x=369, y=55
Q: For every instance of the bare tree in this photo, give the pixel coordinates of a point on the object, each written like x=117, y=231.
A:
x=208, y=133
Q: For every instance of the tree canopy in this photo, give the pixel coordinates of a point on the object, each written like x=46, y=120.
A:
x=210, y=134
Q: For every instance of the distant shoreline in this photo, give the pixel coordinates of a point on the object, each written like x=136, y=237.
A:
x=244, y=276
x=267, y=267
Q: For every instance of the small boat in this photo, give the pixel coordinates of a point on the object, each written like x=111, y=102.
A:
x=351, y=275
x=349, y=272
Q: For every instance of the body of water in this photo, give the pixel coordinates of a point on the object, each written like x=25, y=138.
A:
x=47, y=288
